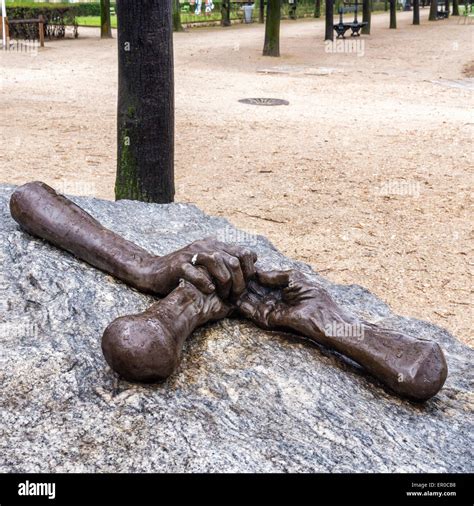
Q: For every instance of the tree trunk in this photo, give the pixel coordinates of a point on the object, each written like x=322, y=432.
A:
x=272, y=29
x=366, y=15
x=145, y=115
x=317, y=9
x=393, y=14
x=446, y=6
x=455, y=8
x=225, y=11
x=261, y=15
x=433, y=10
x=105, y=24
x=329, y=35
x=416, y=12
x=386, y=5
x=177, y=26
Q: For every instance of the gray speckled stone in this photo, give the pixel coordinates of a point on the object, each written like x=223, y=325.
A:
x=242, y=400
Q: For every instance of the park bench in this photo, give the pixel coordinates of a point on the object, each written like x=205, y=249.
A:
x=355, y=26
x=39, y=21
x=442, y=12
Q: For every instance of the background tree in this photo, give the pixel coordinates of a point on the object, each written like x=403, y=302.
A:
x=317, y=9
x=433, y=10
x=393, y=13
x=177, y=26
x=416, y=12
x=105, y=25
x=366, y=15
x=271, y=46
x=225, y=11
x=261, y=14
x=455, y=8
x=329, y=35
x=145, y=116
x=446, y=6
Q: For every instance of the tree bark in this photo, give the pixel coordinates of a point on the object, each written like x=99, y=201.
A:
x=393, y=14
x=433, y=10
x=416, y=12
x=105, y=24
x=177, y=26
x=225, y=11
x=455, y=8
x=329, y=35
x=261, y=15
x=446, y=7
x=317, y=9
x=271, y=46
x=145, y=116
x=366, y=15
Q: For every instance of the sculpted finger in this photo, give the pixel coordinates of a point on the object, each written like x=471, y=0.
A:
x=199, y=278
x=274, y=279
x=247, y=259
x=217, y=269
x=238, y=280
x=246, y=309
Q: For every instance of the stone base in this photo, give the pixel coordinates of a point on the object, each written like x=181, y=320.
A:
x=242, y=400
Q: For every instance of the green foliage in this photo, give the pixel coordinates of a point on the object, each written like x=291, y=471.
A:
x=56, y=16
x=80, y=9
x=94, y=21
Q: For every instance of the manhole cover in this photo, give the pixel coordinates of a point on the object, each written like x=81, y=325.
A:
x=264, y=101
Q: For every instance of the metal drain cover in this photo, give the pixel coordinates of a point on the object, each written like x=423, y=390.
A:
x=264, y=101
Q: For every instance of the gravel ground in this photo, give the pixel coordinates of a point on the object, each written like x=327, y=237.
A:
x=366, y=175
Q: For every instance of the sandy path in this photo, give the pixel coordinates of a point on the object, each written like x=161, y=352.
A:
x=366, y=175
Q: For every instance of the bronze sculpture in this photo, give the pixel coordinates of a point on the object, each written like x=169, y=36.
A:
x=209, y=280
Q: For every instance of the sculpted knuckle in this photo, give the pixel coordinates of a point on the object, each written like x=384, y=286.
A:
x=226, y=277
x=234, y=263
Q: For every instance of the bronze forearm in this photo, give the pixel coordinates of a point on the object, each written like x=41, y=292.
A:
x=208, y=264
x=44, y=213
x=412, y=367
x=147, y=346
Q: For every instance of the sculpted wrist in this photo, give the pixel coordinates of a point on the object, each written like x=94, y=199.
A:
x=152, y=275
